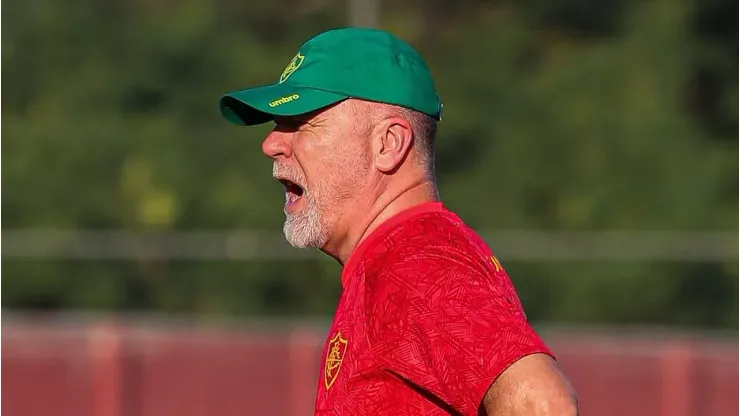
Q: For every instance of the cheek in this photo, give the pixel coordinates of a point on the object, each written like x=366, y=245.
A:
x=351, y=173
x=333, y=165
x=334, y=180
x=359, y=161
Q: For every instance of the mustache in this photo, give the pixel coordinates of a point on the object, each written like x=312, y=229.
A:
x=290, y=173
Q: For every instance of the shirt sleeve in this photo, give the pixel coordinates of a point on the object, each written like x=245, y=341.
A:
x=447, y=326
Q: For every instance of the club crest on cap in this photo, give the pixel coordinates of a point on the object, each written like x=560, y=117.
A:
x=294, y=64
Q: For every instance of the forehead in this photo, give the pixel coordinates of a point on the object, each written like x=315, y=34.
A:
x=341, y=110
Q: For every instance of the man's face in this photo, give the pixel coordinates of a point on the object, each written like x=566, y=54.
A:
x=323, y=160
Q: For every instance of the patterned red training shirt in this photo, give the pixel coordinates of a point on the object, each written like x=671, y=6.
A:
x=426, y=321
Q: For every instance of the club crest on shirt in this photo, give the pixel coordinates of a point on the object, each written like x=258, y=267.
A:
x=334, y=356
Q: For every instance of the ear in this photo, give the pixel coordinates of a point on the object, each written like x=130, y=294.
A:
x=392, y=139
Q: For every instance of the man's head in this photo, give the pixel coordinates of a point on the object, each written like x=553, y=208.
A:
x=355, y=116
x=338, y=159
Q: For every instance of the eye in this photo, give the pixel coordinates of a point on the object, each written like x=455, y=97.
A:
x=288, y=123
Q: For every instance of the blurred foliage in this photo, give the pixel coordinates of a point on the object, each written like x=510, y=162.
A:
x=559, y=115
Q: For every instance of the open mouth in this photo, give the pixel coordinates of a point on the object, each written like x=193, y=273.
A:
x=293, y=192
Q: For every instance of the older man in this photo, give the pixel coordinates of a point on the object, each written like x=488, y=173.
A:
x=428, y=321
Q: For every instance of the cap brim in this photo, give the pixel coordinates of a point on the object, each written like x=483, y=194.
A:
x=260, y=105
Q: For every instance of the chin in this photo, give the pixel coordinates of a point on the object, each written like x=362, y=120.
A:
x=297, y=243
x=301, y=237
x=302, y=243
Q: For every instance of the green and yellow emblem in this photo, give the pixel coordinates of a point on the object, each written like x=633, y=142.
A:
x=294, y=64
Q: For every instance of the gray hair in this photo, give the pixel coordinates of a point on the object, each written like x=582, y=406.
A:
x=424, y=128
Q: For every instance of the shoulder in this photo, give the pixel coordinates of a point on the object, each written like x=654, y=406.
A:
x=433, y=267
x=435, y=251
x=441, y=312
x=430, y=240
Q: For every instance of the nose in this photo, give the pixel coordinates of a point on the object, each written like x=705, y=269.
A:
x=276, y=144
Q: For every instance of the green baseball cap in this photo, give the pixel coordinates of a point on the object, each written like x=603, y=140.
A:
x=360, y=63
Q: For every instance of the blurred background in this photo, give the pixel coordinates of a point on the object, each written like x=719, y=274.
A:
x=593, y=144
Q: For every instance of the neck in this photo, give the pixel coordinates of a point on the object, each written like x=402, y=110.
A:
x=383, y=207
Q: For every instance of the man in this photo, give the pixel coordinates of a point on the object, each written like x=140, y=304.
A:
x=428, y=321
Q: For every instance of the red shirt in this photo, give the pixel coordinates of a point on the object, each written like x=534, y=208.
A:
x=426, y=321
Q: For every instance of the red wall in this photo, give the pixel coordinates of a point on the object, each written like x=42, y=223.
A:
x=95, y=371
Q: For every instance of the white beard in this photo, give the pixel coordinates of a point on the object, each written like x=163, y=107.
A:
x=305, y=228
x=311, y=226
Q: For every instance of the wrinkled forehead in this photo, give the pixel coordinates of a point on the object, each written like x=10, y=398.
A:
x=349, y=114
x=347, y=110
